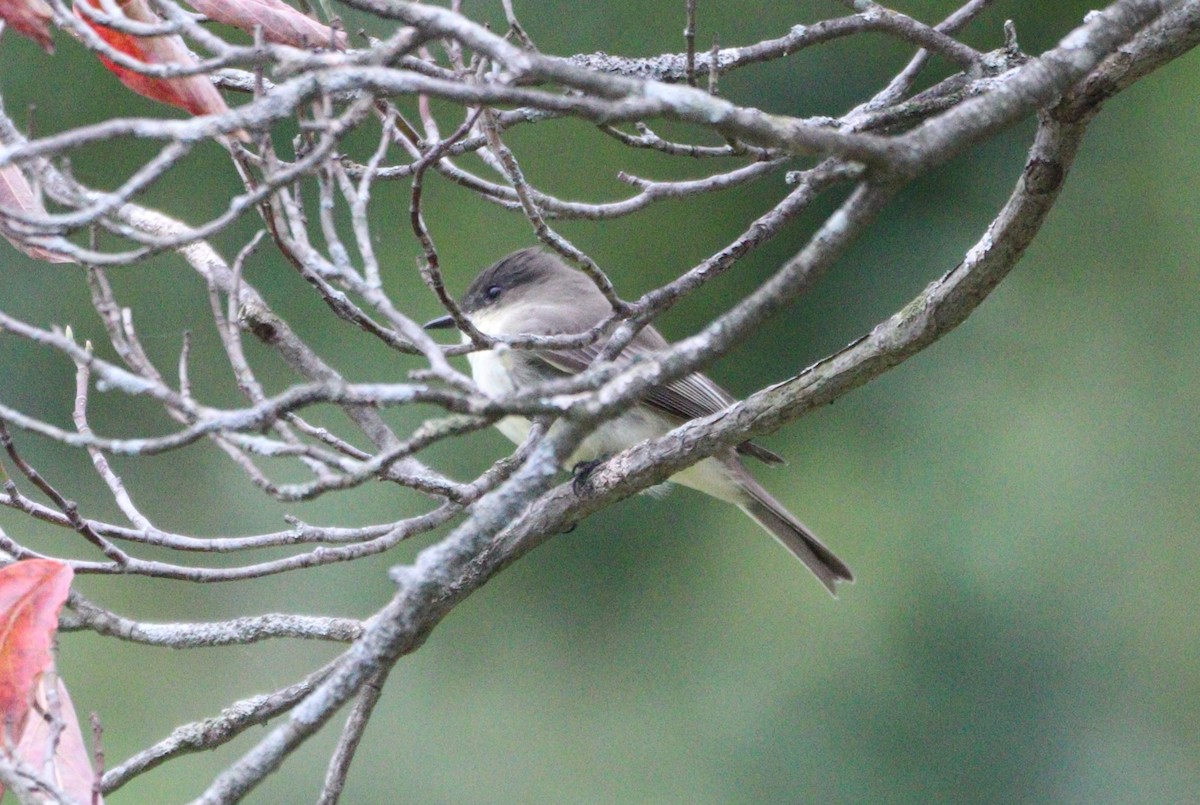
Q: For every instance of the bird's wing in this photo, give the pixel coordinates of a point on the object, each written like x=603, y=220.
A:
x=689, y=397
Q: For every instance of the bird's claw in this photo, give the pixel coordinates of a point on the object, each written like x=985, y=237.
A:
x=582, y=473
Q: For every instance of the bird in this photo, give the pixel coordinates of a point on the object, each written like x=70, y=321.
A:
x=534, y=292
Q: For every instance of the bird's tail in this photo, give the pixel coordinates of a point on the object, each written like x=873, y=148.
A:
x=795, y=536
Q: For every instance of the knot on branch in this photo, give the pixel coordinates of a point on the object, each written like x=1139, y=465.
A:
x=1043, y=176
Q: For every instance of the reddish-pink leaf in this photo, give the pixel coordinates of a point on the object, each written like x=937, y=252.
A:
x=31, y=594
x=280, y=22
x=16, y=195
x=70, y=768
x=195, y=93
x=30, y=18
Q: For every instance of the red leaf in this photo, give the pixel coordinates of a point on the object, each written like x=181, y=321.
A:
x=280, y=22
x=71, y=767
x=16, y=195
x=195, y=93
x=31, y=594
x=30, y=18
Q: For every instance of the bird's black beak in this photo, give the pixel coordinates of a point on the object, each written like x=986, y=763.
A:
x=440, y=323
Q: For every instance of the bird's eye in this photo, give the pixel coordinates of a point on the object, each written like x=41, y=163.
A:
x=493, y=291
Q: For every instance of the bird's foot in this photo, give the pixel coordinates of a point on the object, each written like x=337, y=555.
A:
x=582, y=473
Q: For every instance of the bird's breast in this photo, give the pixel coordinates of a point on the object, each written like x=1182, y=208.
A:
x=493, y=374
x=490, y=369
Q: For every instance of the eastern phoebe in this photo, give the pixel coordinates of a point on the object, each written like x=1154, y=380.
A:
x=532, y=292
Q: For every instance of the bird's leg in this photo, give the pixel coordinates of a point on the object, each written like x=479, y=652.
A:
x=582, y=472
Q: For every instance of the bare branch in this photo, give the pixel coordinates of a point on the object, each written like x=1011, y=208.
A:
x=240, y=631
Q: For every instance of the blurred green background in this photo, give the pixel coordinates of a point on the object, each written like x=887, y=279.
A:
x=1019, y=501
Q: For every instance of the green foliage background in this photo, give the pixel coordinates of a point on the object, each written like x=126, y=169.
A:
x=1019, y=501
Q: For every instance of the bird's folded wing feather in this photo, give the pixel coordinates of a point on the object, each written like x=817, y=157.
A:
x=689, y=397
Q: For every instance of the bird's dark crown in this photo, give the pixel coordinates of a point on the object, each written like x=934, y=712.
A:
x=521, y=269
